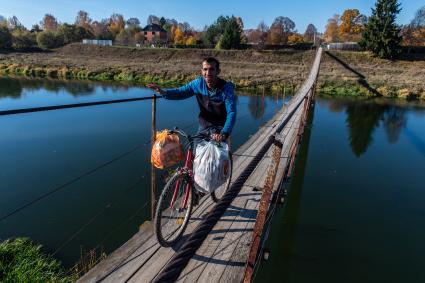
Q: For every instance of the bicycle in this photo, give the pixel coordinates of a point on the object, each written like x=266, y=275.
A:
x=175, y=204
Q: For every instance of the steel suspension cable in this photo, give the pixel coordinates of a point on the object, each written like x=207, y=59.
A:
x=74, y=105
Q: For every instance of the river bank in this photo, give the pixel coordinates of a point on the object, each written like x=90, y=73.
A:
x=248, y=69
x=360, y=74
x=341, y=74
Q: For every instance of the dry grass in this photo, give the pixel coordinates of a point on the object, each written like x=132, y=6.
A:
x=402, y=78
x=246, y=68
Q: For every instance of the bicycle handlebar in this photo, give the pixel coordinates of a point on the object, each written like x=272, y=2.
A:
x=202, y=134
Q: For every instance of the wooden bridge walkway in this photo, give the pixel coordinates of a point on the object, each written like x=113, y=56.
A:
x=224, y=253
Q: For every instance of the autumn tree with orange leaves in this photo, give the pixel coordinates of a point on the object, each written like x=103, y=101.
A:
x=331, y=32
x=347, y=27
x=414, y=33
x=116, y=24
x=351, y=26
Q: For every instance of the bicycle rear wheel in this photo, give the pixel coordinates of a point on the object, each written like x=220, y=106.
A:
x=172, y=215
x=219, y=193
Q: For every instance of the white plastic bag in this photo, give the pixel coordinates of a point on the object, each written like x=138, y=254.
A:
x=211, y=165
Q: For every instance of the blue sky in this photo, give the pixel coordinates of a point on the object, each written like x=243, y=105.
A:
x=199, y=13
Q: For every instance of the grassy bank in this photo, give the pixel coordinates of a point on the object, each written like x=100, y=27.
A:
x=248, y=69
x=23, y=261
x=360, y=74
x=341, y=73
x=356, y=89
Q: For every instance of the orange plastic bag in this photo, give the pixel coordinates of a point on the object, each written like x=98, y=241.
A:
x=167, y=150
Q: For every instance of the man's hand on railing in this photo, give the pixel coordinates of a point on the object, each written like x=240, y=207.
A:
x=156, y=88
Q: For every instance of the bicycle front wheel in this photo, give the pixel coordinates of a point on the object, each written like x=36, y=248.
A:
x=219, y=193
x=173, y=209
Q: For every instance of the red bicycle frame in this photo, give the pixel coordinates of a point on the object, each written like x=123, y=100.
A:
x=187, y=167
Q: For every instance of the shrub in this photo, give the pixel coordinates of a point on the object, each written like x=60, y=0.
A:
x=5, y=37
x=48, y=39
x=73, y=33
x=23, y=39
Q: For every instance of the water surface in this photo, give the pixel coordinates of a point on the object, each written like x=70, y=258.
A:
x=89, y=167
x=355, y=210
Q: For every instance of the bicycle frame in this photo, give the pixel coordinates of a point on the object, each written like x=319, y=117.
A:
x=187, y=166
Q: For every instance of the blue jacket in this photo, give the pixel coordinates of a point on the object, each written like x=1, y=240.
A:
x=217, y=107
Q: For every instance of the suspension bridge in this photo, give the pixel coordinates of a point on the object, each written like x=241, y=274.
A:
x=224, y=241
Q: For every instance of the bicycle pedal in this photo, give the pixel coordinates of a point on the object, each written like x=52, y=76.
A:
x=180, y=220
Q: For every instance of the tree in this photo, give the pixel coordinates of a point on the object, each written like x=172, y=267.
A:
x=240, y=22
x=48, y=39
x=116, y=24
x=133, y=23
x=280, y=29
x=178, y=36
x=191, y=40
x=253, y=36
x=73, y=33
x=331, y=32
x=139, y=37
x=5, y=37
x=153, y=20
x=36, y=28
x=352, y=24
x=413, y=36
x=125, y=37
x=263, y=27
x=310, y=33
x=162, y=21
x=261, y=33
x=13, y=23
x=213, y=32
x=101, y=30
x=382, y=34
x=419, y=20
x=83, y=20
x=49, y=23
x=23, y=39
x=231, y=37
x=185, y=27
x=295, y=38
x=414, y=33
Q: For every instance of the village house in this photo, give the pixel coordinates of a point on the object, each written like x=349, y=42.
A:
x=154, y=34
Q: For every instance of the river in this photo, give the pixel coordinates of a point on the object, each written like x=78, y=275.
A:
x=355, y=207
x=78, y=179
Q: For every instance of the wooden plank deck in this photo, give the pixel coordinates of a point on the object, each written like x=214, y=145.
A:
x=223, y=254
x=142, y=258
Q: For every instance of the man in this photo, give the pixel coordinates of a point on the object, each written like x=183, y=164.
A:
x=215, y=96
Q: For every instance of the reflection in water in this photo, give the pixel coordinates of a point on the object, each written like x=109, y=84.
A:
x=415, y=140
x=13, y=87
x=10, y=88
x=257, y=106
x=364, y=117
x=362, y=120
x=394, y=120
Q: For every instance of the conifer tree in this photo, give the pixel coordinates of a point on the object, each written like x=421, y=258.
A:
x=382, y=34
x=231, y=37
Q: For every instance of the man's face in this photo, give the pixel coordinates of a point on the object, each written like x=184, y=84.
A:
x=209, y=72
